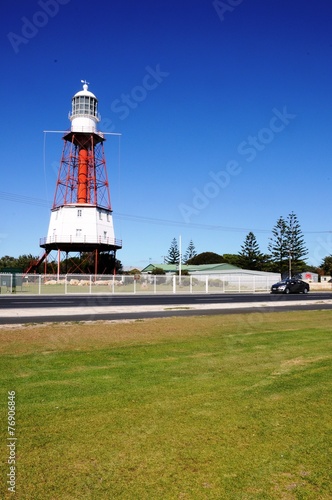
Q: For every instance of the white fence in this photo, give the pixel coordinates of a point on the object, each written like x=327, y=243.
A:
x=48, y=284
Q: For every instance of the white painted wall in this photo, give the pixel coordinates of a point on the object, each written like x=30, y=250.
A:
x=81, y=224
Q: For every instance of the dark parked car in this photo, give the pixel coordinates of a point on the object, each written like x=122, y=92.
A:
x=291, y=285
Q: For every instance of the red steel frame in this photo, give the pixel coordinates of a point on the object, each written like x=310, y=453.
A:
x=82, y=174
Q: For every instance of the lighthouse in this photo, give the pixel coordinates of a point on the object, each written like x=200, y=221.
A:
x=81, y=216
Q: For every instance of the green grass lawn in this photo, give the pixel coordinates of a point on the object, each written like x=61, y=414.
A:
x=224, y=407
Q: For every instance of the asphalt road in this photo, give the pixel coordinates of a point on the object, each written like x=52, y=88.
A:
x=18, y=309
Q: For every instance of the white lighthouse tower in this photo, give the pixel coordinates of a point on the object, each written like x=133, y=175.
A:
x=81, y=216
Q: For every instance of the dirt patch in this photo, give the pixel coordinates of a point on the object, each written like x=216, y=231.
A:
x=98, y=334
x=288, y=365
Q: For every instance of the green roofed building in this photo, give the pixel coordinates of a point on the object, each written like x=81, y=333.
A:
x=208, y=269
x=203, y=268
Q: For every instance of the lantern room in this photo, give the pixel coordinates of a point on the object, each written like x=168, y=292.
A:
x=84, y=114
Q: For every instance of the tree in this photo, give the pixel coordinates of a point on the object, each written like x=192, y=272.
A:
x=190, y=252
x=250, y=256
x=232, y=258
x=132, y=272
x=25, y=261
x=173, y=255
x=7, y=261
x=326, y=265
x=206, y=258
x=278, y=246
x=107, y=264
x=296, y=246
x=157, y=271
x=21, y=262
x=287, y=245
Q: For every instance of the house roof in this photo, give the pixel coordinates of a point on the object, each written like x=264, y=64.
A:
x=172, y=268
x=222, y=268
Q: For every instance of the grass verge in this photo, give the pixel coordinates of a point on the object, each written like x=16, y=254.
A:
x=219, y=407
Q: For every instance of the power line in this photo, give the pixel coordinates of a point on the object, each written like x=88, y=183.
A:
x=17, y=198
x=167, y=222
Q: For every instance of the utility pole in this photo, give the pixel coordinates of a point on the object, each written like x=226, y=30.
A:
x=180, y=258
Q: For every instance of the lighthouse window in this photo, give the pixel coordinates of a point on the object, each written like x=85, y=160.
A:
x=78, y=232
x=79, y=213
x=100, y=216
x=76, y=105
x=84, y=105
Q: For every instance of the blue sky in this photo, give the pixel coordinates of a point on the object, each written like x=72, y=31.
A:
x=224, y=110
